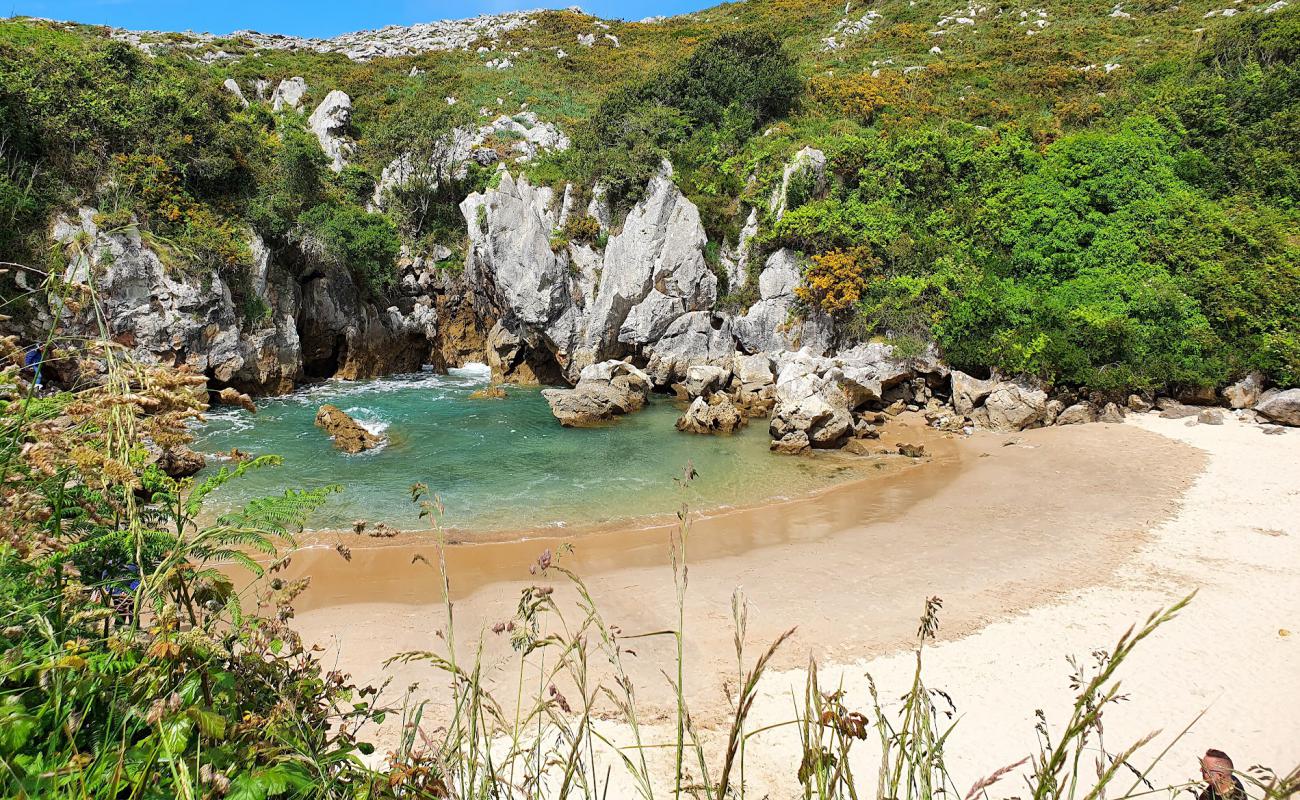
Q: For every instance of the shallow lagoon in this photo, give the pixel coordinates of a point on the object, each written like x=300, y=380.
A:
x=499, y=465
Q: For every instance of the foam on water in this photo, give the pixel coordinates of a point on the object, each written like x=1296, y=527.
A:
x=496, y=464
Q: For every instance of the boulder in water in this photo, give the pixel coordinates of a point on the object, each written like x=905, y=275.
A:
x=231, y=396
x=495, y=392
x=348, y=435
x=715, y=415
x=604, y=391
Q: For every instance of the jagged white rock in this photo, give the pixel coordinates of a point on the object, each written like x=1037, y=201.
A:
x=330, y=123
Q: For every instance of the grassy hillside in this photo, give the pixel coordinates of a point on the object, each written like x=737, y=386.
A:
x=1099, y=194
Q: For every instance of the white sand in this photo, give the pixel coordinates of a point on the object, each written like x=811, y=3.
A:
x=1235, y=652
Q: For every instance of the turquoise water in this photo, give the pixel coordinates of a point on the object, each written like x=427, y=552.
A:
x=498, y=465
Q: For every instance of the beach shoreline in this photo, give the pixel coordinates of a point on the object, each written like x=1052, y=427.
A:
x=1002, y=524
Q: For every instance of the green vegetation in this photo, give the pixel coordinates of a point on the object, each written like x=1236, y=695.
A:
x=1098, y=200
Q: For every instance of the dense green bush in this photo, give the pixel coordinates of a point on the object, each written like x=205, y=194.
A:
x=366, y=244
x=696, y=113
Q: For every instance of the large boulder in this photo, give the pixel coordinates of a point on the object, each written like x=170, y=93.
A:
x=289, y=94
x=1077, y=414
x=1245, y=392
x=604, y=390
x=330, y=123
x=1012, y=406
x=348, y=435
x=968, y=392
x=865, y=371
x=1281, y=406
x=661, y=247
x=714, y=415
x=768, y=325
x=705, y=379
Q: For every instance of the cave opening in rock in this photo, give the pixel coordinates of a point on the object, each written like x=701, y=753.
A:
x=322, y=361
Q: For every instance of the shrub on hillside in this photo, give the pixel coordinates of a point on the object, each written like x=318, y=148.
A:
x=366, y=244
x=835, y=281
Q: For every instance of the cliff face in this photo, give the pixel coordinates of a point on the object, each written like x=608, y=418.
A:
x=302, y=318
x=649, y=294
x=536, y=310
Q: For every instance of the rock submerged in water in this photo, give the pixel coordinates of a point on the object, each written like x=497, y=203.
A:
x=489, y=393
x=348, y=435
x=230, y=396
x=604, y=391
x=714, y=415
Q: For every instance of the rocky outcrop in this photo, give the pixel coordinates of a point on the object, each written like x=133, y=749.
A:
x=660, y=248
x=516, y=139
x=347, y=434
x=343, y=336
x=771, y=324
x=516, y=277
x=181, y=462
x=811, y=410
x=230, y=396
x=330, y=122
x=1282, y=407
x=649, y=293
x=164, y=318
x=713, y=415
x=603, y=392
x=231, y=86
x=809, y=164
x=391, y=41
x=190, y=317
x=289, y=94
x=699, y=337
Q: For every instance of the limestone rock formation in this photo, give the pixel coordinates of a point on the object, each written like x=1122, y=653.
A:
x=1282, y=407
x=348, y=435
x=768, y=324
x=714, y=415
x=705, y=379
x=231, y=86
x=810, y=409
x=162, y=317
x=968, y=392
x=604, y=391
x=695, y=338
x=810, y=163
x=1077, y=414
x=330, y=123
x=289, y=94
x=661, y=247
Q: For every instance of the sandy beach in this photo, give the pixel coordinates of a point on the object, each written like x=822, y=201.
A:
x=1043, y=544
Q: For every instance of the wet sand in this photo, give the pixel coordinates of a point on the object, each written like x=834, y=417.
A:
x=993, y=524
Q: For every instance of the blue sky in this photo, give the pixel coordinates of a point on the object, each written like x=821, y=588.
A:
x=320, y=18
